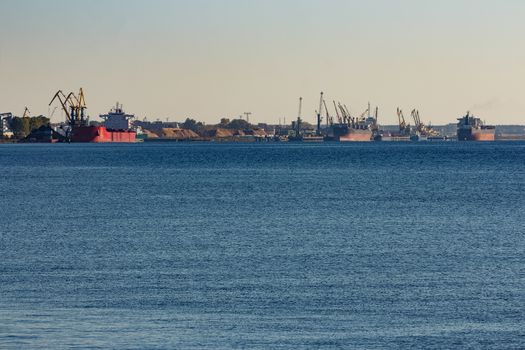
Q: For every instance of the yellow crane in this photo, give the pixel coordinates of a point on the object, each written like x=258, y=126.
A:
x=73, y=105
x=401, y=118
x=417, y=120
x=404, y=128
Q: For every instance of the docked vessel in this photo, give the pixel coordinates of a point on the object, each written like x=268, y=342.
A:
x=297, y=134
x=116, y=128
x=401, y=135
x=351, y=133
x=97, y=134
x=422, y=132
x=353, y=129
x=471, y=128
x=393, y=137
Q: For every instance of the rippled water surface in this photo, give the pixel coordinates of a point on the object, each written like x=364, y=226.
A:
x=262, y=246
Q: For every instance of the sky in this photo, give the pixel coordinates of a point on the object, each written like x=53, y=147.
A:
x=212, y=59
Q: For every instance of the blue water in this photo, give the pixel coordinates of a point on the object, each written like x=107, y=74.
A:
x=262, y=246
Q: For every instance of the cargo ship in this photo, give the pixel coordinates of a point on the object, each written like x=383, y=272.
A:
x=353, y=129
x=393, y=137
x=298, y=134
x=116, y=128
x=98, y=134
x=471, y=128
x=400, y=135
x=350, y=133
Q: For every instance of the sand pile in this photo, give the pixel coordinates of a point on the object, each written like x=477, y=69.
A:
x=151, y=134
x=259, y=132
x=218, y=133
x=177, y=133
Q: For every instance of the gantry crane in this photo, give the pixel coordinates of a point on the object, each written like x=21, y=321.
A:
x=339, y=120
x=329, y=119
x=319, y=117
x=418, y=124
x=375, y=125
x=421, y=128
x=401, y=119
x=62, y=98
x=74, y=106
x=367, y=111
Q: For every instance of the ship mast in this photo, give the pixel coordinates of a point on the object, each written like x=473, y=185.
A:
x=319, y=118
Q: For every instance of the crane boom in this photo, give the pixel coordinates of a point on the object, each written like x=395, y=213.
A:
x=367, y=111
x=401, y=118
x=328, y=118
x=73, y=105
x=319, y=117
x=62, y=99
x=343, y=113
x=26, y=114
x=337, y=113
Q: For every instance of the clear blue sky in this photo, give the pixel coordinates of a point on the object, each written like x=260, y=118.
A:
x=209, y=59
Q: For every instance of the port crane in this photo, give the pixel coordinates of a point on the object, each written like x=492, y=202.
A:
x=27, y=113
x=337, y=113
x=329, y=119
x=74, y=106
x=421, y=128
x=77, y=104
x=299, y=120
x=367, y=111
x=417, y=121
x=375, y=125
x=319, y=117
x=345, y=115
x=404, y=128
x=348, y=115
x=62, y=99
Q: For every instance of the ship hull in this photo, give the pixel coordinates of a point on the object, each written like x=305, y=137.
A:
x=477, y=135
x=344, y=133
x=396, y=138
x=99, y=134
x=356, y=136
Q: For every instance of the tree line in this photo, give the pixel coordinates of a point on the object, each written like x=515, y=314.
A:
x=236, y=124
x=22, y=126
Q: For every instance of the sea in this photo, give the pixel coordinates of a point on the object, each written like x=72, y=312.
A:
x=262, y=246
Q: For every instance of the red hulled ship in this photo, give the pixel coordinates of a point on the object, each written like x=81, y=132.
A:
x=353, y=129
x=116, y=128
x=101, y=134
x=471, y=128
x=347, y=133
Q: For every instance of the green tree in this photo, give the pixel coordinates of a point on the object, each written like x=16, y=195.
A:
x=224, y=122
x=22, y=127
x=192, y=124
x=239, y=124
x=36, y=122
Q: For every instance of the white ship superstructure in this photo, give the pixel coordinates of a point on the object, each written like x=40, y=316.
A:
x=116, y=119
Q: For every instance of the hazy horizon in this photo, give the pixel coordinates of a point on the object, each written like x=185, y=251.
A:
x=212, y=59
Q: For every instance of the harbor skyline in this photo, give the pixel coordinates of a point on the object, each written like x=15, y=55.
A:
x=213, y=59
